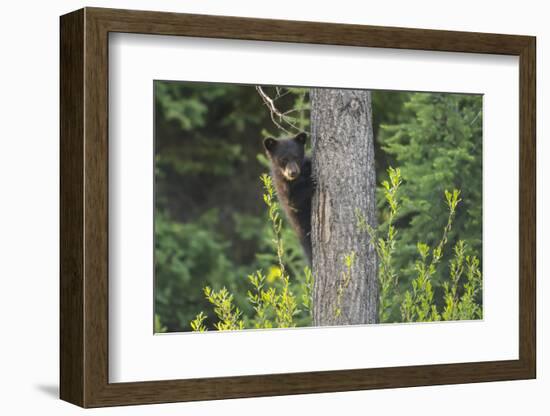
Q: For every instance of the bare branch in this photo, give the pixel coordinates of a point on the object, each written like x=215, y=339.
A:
x=275, y=113
x=268, y=101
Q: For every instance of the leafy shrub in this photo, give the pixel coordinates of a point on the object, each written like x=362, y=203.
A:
x=418, y=304
x=274, y=301
x=276, y=305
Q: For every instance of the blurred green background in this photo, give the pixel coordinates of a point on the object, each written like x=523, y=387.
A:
x=210, y=221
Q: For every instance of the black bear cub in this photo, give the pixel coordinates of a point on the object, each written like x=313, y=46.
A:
x=291, y=172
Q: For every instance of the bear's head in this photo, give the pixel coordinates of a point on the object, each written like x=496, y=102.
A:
x=286, y=155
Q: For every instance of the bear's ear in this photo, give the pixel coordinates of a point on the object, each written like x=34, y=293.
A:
x=269, y=144
x=301, y=138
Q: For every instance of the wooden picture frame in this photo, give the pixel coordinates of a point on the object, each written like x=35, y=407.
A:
x=84, y=207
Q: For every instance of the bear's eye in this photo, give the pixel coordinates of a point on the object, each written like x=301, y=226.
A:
x=284, y=161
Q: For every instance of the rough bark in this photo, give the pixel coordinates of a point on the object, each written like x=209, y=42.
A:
x=344, y=172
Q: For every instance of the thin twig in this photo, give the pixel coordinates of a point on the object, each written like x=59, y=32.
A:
x=476, y=117
x=281, y=95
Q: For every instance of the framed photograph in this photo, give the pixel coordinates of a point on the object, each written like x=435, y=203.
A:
x=256, y=207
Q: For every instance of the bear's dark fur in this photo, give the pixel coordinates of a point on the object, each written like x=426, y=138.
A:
x=291, y=173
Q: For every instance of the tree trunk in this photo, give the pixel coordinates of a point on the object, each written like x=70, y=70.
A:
x=343, y=169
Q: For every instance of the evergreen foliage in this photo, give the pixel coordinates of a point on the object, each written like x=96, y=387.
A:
x=438, y=147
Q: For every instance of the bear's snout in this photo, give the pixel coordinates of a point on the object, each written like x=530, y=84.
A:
x=291, y=171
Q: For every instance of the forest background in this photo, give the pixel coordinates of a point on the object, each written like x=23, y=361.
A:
x=211, y=226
